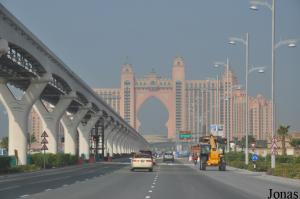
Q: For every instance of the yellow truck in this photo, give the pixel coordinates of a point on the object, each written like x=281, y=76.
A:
x=210, y=153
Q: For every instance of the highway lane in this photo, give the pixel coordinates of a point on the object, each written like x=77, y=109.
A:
x=16, y=185
x=167, y=181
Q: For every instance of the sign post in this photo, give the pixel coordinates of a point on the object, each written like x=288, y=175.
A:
x=44, y=147
x=254, y=159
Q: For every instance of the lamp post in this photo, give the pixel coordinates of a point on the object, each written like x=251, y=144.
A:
x=218, y=64
x=245, y=41
x=289, y=43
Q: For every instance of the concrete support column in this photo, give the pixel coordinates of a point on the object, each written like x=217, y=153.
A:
x=110, y=133
x=123, y=141
x=107, y=129
x=70, y=129
x=84, y=132
x=51, y=120
x=18, y=114
x=107, y=134
x=113, y=139
x=116, y=141
x=126, y=147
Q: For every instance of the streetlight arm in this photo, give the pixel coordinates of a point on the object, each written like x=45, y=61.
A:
x=261, y=3
x=217, y=64
x=286, y=42
x=252, y=69
x=237, y=39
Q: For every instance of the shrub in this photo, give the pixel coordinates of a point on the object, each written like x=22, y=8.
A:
x=4, y=162
x=53, y=160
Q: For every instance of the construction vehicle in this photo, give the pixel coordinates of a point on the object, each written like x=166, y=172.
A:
x=210, y=153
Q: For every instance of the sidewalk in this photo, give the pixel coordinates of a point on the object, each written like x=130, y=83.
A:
x=258, y=175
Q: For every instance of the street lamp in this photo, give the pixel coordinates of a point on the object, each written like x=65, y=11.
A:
x=218, y=64
x=254, y=4
x=245, y=41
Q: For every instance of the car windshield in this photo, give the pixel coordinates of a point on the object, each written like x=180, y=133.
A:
x=205, y=149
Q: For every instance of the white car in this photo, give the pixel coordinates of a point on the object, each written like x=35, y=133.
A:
x=142, y=161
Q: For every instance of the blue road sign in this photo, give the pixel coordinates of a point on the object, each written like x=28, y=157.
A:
x=254, y=157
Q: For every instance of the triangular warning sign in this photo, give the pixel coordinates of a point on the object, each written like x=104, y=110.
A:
x=44, y=134
x=44, y=148
x=44, y=141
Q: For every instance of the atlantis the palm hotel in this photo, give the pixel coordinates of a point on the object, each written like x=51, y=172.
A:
x=193, y=105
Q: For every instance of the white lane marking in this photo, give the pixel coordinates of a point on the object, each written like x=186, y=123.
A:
x=153, y=183
x=152, y=186
x=148, y=197
x=24, y=196
x=65, y=185
x=48, y=189
x=150, y=191
x=11, y=187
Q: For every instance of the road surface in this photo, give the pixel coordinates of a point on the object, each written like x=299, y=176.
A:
x=167, y=181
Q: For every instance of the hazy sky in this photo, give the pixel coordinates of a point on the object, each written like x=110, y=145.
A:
x=93, y=37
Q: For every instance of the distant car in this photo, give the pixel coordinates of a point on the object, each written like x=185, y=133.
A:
x=142, y=161
x=168, y=157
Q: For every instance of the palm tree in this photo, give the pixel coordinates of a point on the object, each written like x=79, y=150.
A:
x=295, y=142
x=283, y=132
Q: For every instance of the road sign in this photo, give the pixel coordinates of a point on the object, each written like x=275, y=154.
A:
x=254, y=157
x=185, y=136
x=44, y=141
x=274, y=146
x=44, y=147
x=44, y=134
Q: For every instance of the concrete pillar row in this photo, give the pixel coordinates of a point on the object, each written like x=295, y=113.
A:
x=108, y=126
x=70, y=129
x=108, y=133
x=127, y=145
x=130, y=145
x=119, y=142
x=123, y=142
x=51, y=120
x=18, y=114
x=114, y=138
x=84, y=132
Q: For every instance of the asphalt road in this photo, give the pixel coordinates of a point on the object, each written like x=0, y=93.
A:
x=167, y=181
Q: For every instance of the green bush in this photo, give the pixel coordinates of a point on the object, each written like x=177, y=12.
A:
x=286, y=170
x=4, y=162
x=53, y=160
x=235, y=156
x=21, y=168
x=286, y=166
